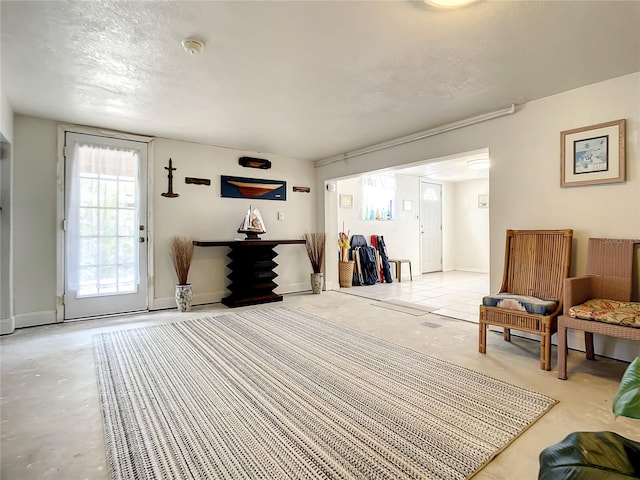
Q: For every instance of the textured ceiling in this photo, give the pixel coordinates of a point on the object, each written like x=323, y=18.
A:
x=302, y=79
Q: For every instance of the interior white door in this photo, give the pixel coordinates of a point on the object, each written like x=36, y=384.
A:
x=105, y=226
x=431, y=226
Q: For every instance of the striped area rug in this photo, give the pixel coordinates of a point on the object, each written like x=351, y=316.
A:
x=276, y=393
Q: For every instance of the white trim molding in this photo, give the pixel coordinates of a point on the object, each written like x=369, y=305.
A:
x=34, y=319
x=165, y=303
x=7, y=325
x=417, y=136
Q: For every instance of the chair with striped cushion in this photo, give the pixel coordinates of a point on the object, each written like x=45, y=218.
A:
x=530, y=297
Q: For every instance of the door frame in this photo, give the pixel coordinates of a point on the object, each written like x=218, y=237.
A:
x=60, y=206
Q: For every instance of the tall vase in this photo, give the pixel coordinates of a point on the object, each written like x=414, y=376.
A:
x=316, y=282
x=184, y=296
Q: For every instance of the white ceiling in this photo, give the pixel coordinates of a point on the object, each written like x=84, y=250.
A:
x=302, y=79
x=452, y=168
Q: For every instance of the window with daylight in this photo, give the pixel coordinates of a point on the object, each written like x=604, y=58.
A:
x=103, y=221
x=378, y=195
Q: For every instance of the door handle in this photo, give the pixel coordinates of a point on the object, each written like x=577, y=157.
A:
x=142, y=239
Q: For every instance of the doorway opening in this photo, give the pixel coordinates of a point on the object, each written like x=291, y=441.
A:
x=458, y=220
x=447, y=231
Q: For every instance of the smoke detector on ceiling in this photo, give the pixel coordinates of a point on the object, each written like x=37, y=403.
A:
x=193, y=46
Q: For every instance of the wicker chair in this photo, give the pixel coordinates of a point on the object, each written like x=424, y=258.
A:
x=530, y=298
x=603, y=297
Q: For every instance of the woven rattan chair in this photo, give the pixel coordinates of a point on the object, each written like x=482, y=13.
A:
x=530, y=298
x=600, y=295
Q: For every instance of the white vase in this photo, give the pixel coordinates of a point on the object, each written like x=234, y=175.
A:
x=316, y=282
x=184, y=296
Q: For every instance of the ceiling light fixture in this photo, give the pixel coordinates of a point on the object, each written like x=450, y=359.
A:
x=193, y=46
x=448, y=3
x=478, y=163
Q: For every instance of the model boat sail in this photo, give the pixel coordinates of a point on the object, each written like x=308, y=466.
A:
x=252, y=224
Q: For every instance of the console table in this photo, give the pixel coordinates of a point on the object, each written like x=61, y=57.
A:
x=251, y=268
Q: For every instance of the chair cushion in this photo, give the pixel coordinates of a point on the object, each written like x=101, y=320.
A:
x=608, y=311
x=510, y=301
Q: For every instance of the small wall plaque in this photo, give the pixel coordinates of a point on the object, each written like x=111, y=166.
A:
x=302, y=189
x=197, y=181
x=254, y=162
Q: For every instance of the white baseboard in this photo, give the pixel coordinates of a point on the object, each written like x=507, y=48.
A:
x=215, y=297
x=471, y=269
x=34, y=319
x=329, y=285
x=200, y=299
x=7, y=325
x=293, y=288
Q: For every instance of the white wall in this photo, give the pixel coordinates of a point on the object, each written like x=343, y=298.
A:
x=401, y=234
x=198, y=211
x=525, y=173
x=471, y=227
x=201, y=211
x=448, y=226
x=34, y=220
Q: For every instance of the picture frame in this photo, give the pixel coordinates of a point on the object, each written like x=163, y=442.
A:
x=243, y=187
x=593, y=155
x=346, y=201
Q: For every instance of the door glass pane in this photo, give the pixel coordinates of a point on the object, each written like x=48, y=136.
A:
x=88, y=280
x=126, y=223
x=89, y=251
x=108, y=192
x=107, y=220
x=88, y=221
x=126, y=251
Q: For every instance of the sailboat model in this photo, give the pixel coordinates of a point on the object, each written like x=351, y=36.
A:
x=252, y=224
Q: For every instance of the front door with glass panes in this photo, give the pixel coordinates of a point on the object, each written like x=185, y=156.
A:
x=105, y=226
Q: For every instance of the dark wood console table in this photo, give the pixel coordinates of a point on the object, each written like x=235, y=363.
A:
x=251, y=268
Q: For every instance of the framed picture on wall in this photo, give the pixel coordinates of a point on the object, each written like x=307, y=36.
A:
x=346, y=201
x=593, y=155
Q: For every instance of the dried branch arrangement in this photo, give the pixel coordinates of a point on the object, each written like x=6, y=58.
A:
x=181, y=250
x=316, y=243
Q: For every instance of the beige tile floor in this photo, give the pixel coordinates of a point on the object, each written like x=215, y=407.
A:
x=453, y=294
x=51, y=427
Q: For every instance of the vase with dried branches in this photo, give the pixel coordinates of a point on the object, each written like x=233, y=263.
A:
x=316, y=243
x=181, y=251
